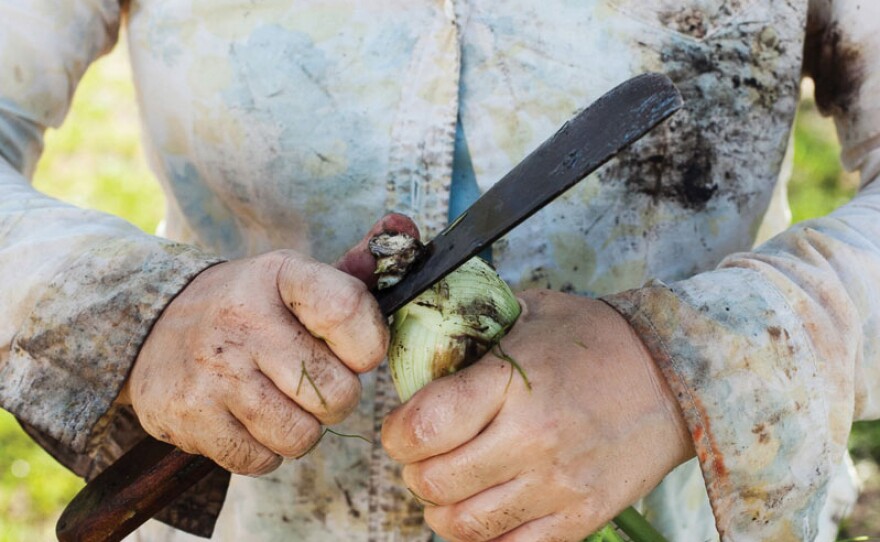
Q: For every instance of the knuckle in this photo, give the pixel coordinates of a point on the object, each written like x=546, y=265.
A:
x=264, y=464
x=467, y=527
x=301, y=272
x=337, y=389
x=250, y=413
x=343, y=397
x=250, y=406
x=294, y=438
x=345, y=305
x=243, y=457
x=424, y=485
x=295, y=274
x=225, y=451
x=406, y=431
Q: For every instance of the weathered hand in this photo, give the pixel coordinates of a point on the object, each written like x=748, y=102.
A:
x=492, y=459
x=255, y=354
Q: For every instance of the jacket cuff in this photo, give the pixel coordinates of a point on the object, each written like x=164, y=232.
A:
x=72, y=355
x=740, y=365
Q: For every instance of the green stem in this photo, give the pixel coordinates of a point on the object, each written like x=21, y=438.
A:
x=500, y=354
x=605, y=534
x=346, y=435
x=635, y=526
x=312, y=382
x=332, y=432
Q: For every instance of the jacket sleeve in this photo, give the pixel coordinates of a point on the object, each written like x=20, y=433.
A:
x=79, y=289
x=775, y=353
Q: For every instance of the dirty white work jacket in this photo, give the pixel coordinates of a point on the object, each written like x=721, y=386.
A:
x=296, y=124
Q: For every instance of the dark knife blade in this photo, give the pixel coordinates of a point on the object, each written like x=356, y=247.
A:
x=153, y=474
x=582, y=145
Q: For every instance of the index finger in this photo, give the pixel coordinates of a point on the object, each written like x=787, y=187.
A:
x=336, y=308
x=447, y=413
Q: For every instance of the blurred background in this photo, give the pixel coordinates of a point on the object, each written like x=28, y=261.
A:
x=95, y=160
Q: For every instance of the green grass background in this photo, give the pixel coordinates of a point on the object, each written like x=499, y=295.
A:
x=95, y=160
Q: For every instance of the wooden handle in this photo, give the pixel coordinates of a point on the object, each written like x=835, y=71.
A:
x=130, y=491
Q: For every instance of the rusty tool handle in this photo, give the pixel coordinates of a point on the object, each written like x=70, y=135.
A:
x=131, y=491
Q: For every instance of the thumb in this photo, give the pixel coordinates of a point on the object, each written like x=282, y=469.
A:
x=359, y=262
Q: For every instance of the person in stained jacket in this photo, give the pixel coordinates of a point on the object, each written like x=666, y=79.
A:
x=282, y=130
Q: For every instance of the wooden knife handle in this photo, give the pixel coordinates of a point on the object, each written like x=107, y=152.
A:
x=131, y=491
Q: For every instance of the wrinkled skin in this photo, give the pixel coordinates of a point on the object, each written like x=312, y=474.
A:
x=221, y=372
x=598, y=430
